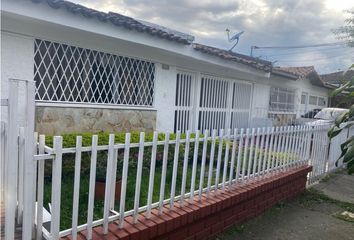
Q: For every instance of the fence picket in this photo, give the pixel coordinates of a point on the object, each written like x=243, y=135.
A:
x=239, y=155
x=21, y=159
x=218, y=163
x=260, y=157
x=265, y=157
x=185, y=168
x=76, y=187
x=255, y=158
x=108, y=186
x=174, y=170
x=124, y=180
x=56, y=187
x=202, y=169
x=40, y=186
x=245, y=154
x=138, y=176
x=233, y=155
x=194, y=167
x=11, y=166
x=211, y=160
x=250, y=156
x=164, y=169
x=226, y=159
x=92, y=186
x=152, y=174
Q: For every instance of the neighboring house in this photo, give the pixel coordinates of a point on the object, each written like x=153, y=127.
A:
x=335, y=80
x=97, y=71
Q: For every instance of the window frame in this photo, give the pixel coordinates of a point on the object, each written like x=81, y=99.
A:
x=144, y=99
x=289, y=106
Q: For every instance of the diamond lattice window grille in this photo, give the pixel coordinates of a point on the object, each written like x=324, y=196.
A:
x=66, y=73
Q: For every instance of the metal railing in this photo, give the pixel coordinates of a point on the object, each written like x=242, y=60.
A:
x=189, y=165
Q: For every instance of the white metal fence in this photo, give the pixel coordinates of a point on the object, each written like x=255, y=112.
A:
x=178, y=168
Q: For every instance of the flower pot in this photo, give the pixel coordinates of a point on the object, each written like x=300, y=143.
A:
x=100, y=187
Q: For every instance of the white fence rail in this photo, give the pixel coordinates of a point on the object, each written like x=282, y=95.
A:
x=177, y=168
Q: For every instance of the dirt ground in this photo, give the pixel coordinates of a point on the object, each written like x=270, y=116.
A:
x=311, y=216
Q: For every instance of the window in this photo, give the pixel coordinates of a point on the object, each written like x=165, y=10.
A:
x=303, y=98
x=321, y=101
x=282, y=99
x=313, y=100
x=66, y=73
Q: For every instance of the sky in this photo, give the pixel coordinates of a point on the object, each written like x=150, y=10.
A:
x=265, y=22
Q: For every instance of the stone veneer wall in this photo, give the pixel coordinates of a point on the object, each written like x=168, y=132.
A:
x=59, y=120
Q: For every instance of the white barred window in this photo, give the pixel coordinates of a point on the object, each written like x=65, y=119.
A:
x=282, y=100
x=66, y=73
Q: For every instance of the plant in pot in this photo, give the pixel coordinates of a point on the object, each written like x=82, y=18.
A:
x=101, y=171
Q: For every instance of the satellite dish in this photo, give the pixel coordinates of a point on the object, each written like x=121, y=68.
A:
x=235, y=37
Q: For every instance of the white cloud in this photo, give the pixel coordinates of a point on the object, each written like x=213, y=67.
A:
x=265, y=22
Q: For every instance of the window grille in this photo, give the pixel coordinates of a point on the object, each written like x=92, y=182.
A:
x=282, y=100
x=313, y=100
x=185, y=87
x=213, y=103
x=321, y=101
x=303, y=98
x=66, y=73
x=240, y=105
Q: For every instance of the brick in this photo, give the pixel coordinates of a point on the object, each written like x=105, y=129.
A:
x=161, y=224
x=95, y=236
x=203, y=234
x=167, y=220
x=217, y=228
x=195, y=227
x=134, y=233
x=119, y=232
x=144, y=230
x=176, y=218
x=179, y=234
x=149, y=224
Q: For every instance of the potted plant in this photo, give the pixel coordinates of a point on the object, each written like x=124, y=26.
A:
x=100, y=185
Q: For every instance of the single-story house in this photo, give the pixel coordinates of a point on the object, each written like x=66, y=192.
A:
x=335, y=80
x=97, y=71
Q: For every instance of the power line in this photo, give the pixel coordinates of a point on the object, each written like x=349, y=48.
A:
x=317, y=59
x=327, y=50
x=300, y=46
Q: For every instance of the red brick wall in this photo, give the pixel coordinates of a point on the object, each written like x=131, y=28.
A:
x=204, y=219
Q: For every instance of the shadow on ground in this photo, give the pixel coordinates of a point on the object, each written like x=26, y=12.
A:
x=311, y=216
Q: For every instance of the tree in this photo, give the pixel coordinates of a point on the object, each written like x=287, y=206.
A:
x=346, y=32
x=344, y=122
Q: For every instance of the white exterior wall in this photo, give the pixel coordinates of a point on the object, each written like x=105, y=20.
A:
x=17, y=61
x=165, y=94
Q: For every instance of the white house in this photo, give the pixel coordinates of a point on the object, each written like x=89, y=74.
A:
x=99, y=71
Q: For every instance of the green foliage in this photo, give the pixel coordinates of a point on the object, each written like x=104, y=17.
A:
x=344, y=122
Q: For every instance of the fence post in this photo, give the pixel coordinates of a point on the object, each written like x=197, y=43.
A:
x=29, y=166
x=56, y=187
x=11, y=165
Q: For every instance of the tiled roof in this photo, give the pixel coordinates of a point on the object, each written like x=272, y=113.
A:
x=235, y=57
x=308, y=72
x=120, y=21
x=296, y=71
x=337, y=77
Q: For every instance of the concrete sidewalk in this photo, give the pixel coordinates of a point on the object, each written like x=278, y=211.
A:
x=311, y=216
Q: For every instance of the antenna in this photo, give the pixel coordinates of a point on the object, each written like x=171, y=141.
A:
x=233, y=38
